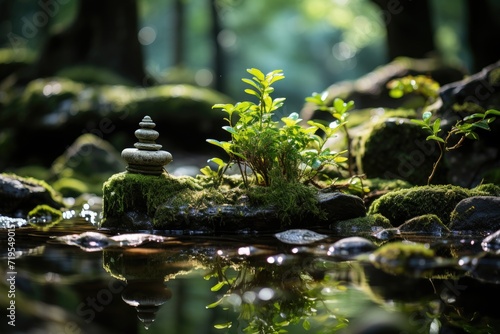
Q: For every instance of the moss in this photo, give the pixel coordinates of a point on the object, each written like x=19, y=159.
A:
x=399, y=258
x=494, y=77
x=489, y=188
x=93, y=75
x=289, y=199
x=127, y=192
x=397, y=149
x=386, y=184
x=401, y=205
x=70, y=187
x=365, y=224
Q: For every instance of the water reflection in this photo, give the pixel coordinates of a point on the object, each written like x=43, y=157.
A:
x=98, y=281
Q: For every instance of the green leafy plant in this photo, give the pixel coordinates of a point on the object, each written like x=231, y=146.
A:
x=270, y=150
x=339, y=111
x=466, y=128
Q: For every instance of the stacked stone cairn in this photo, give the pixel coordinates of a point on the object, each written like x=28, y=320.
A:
x=146, y=158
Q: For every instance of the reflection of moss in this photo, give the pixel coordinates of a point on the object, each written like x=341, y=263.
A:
x=44, y=217
x=404, y=204
x=399, y=258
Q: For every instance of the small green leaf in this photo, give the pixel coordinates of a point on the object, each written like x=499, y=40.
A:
x=257, y=73
x=483, y=124
x=229, y=129
x=492, y=112
x=218, y=286
x=252, y=92
x=472, y=135
x=476, y=115
x=306, y=325
x=436, y=126
x=339, y=105
x=214, y=304
x=396, y=93
x=225, y=325
x=436, y=138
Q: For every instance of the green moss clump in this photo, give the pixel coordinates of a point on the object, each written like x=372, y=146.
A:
x=290, y=199
x=401, y=205
x=399, y=258
x=397, y=149
x=127, y=192
x=361, y=224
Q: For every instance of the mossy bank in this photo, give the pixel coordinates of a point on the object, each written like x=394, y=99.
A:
x=165, y=202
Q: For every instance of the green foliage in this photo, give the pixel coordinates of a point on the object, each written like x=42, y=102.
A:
x=465, y=128
x=271, y=149
x=339, y=111
x=419, y=84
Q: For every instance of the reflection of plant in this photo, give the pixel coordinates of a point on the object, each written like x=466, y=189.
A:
x=269, y=299
x=272, y=150
x=465, y=128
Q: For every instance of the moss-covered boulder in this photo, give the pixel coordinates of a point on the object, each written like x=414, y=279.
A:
x=402, y=205
x=20, y=195
x=355, y=226
x=429, y=224
x=85, y=166
x=134, y=201
x=57, y=111
x=397, y=149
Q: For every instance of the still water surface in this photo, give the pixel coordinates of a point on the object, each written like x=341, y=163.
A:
x=181, y=283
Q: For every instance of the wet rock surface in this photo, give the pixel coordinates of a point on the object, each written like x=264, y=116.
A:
x=476, y=213
x=18, y=195
x=337, y=206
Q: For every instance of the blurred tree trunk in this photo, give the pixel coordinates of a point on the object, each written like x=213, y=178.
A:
x=219, y=70
x=104, y=34
x=483, y=33
x=409, y=27
x=179, y=35
x=5, y=25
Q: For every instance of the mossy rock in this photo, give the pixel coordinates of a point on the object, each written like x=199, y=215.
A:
x=57, y=110
x=429, y=224
x=401, y=205
x=397, y=149
x=20, y=195
x=360, y=225
x=85, y=166
x=134, y=201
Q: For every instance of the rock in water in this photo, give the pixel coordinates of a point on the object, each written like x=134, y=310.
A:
x=299, y=236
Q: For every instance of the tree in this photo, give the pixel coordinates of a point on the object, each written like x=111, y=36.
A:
x=103, y=34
